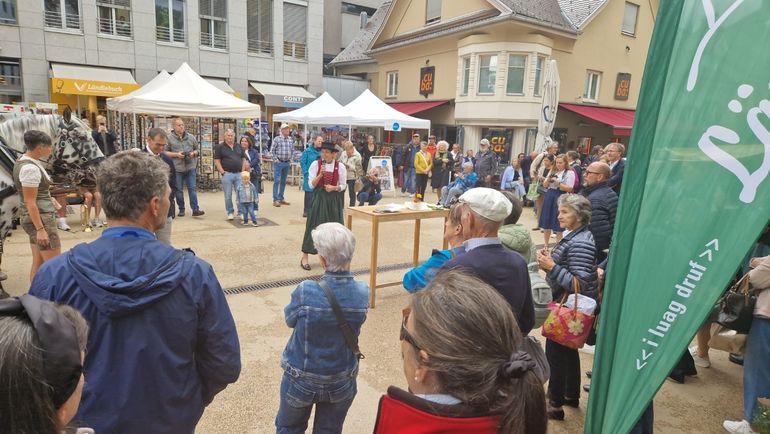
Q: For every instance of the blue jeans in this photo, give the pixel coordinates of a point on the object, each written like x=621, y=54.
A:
x=247, y=211
x=280, y=172
x=756, y=368
x=365, y=197
x=409, y=180
x=298, y=396
x=182, y=179
x=230, y=181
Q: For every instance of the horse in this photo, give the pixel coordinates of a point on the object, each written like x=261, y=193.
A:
x=73, y=160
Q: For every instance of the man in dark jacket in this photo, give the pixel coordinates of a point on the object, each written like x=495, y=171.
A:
x=484, y=209
x=604, y=205
x=486, y=164
x=410, y=151
x=156, y=142
x=614, y=153
x=104, y=138
x=163, y=342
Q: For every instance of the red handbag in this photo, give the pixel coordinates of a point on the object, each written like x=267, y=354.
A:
x=568, y=326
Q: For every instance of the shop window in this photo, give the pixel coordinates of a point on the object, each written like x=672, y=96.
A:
x=517, y=65
x=392, y=84
x=539, y=75
x=8, y=12
x=466, y=75
x=432, y=11
x=114, y=17
x=294, y=31
x=629, y=19
x=213, y=15
x=62, y=14
x=169, y=21
x=487, y=74
x=591, y=91
x=259, y=30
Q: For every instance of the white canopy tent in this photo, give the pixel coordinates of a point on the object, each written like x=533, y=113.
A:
x=185, y=93
x=155, y=83
x=369, y=111
x=322, y=106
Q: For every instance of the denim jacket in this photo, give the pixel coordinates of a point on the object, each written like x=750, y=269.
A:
x=240, y=190
x=316, y=349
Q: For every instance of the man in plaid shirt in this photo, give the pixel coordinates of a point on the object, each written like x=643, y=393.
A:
x=282, y=150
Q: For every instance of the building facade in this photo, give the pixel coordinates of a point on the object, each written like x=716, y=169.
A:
x=79, y=52
x=476, y=68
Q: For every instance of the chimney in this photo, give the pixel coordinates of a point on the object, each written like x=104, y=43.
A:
x=364, y=19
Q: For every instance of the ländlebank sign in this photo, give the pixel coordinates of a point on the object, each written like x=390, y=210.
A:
x=695, y=196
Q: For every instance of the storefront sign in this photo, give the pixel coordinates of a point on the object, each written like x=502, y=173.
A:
x=500, y=142
x=622, y=86
x=293, y=101
x=70, y=86
x=427, y=80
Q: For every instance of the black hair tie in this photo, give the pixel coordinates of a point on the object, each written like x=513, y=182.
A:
x=61, y=352
x=519, y=364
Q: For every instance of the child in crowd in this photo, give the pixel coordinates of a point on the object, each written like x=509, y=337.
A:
x=247, y=199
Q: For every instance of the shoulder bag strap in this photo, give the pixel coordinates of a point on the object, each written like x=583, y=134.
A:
x=347, y=332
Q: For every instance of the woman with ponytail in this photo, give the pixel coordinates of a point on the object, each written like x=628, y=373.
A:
x=464, y=364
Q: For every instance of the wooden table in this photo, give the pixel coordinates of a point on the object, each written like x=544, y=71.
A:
x=367, y=213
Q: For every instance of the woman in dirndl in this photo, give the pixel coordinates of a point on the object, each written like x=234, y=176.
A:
x=559, y=181
x=327, y=177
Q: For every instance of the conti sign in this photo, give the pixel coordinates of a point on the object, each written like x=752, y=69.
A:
x=70, y=86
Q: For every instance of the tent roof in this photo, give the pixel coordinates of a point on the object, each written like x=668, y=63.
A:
x=158, y=81
x=186, y=93
x=309, y=114
x=369, y=111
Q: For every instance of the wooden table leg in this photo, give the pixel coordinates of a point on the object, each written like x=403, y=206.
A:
x=350, y=221
x=446, y=242
x=416, y=255
x=373, y=263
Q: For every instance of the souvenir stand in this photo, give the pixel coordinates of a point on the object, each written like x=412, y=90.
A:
x=208, y=112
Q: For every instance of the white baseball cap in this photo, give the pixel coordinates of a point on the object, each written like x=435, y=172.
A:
x=284, y=125
x=488, y=203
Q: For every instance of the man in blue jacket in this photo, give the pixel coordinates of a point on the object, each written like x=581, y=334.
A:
x=163, y=342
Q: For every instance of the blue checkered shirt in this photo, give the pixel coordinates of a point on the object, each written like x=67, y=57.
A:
x=283, y=148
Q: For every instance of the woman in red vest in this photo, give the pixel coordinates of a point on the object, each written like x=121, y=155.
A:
x=464, y=364
x=328, y=180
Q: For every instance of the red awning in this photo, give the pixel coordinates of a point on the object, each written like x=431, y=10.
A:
x=410, y=108
x=620, y=120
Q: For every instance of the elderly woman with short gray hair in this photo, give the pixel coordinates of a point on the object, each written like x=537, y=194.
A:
x=463, y=182
x=573, y=257
x=320, y=367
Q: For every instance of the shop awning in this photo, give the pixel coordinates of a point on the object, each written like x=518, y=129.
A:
x=90, y=80
x=221, y=84
x=410, y=108
x=620, y=120
x=283, y=95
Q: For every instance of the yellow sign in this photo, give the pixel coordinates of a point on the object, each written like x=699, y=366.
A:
x=71, y=86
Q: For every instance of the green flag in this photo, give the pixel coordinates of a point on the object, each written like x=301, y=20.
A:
x=695, y=196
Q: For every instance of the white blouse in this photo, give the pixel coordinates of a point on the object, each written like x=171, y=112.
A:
x=329, y=167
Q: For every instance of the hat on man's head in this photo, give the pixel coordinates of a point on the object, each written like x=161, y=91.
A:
x=329, y=146
x=416, y=135
x=484, y=142
x=285, y=125
x=488, y=203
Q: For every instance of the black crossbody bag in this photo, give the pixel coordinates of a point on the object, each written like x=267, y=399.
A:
x=347, y=332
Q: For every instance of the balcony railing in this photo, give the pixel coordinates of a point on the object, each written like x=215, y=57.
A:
x=115, y=28
x=164, y=34
x=214, y=41
x=57, y=20
x=260, y=47
x=296, y=50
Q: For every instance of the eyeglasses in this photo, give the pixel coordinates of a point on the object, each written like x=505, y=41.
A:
x=405, y=335
x=588, y=172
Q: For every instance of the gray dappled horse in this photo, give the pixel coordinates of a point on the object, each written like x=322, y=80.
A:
x=72, y=161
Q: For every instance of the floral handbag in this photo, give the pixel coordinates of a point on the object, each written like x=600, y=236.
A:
x=568, y=326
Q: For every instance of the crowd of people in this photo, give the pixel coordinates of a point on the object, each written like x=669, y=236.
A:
x=69, y=348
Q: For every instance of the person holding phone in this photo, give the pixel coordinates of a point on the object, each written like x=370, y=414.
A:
x=104, y=138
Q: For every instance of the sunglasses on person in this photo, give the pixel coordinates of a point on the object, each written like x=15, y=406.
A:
x=405, y=335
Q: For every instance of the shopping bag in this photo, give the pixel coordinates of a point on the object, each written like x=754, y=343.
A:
x=737, y=307
x=532, y=193
x=568, y=326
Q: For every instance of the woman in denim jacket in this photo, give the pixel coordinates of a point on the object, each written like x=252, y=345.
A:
x=319, y=368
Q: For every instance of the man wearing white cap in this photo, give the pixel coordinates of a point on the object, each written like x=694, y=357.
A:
x=282, y=150
x=484, y=210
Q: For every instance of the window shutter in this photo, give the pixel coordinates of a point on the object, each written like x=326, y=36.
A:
x=265, y=20
x=219, y=9
x=432, y=10
x=629, y=18
x=121, y=3
x=294, y=23
x=205, y=7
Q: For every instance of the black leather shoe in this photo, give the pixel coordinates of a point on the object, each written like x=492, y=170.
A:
x=589, y=374
x=198, y=213
x=181, y=214
x=735, y=358
x=587, y=388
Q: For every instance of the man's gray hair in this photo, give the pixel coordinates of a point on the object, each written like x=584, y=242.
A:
x=484, y=142
x=128, y=181
x=336, y=244
x=579, y=204
x=467, y=164
x=154, y=133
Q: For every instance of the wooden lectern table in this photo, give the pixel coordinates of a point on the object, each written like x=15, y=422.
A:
x=367, y=213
